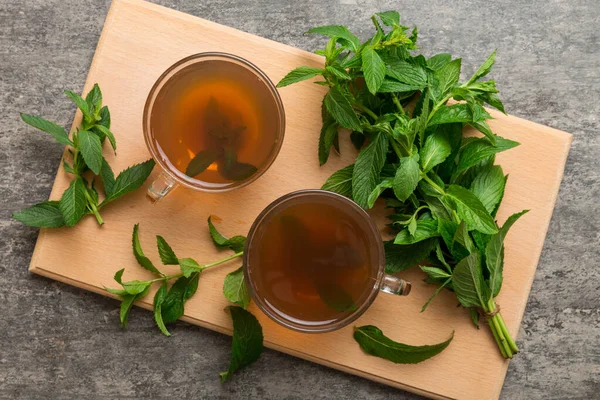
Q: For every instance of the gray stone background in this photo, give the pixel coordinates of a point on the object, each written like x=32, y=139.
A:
x=60, y=342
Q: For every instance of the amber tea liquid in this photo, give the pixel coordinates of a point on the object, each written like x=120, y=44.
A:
x=214, y=122
x=312, y=261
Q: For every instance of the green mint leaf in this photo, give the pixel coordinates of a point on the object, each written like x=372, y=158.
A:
x=421, y=124
x=136, y=287
x=368, y=167
x=448, y=76
x=42, y=215
x=336, y=298
x=469, y=209
x=454, y=113
x=389, y=18
x=159, y=298
x=485, y=68
x=81, y=104
x=127, y=303
x=91, y=150
x=461, y=237
x=106, y=132
x=479, y=149
x=435, y=151
x=393, y=86
x=189, y=266
x=454, y=135
x=130, y=179
x=339, y=72
x=200, y=162
x=474, y=316
x=494, y=254
x=236, y=243
x=341, y=33
x=341, y=110
x=108, y=178
x=235, y=288
x=437, y=208
x=94, y=99
x=173, y=306
x=484, y=128
x=410, y=74
x=438, y=61
x=139, y=253
x=488, y=186
x=340, y=182
x=42, y=124
x=372, y=340
x=493, y=100
x=433, y=296
x=326, y=139
x=247, y=341
x=73, y=202
x=373, y=69
x=467, y=281
x=447, y=230
x=402, y=257
x=412, y=226
x=435, y=273
x=353, y=62
x=407, y=177
x=299, y=74
x=104, y=117
x=166, y=253
x=385, y=184
x=67, y=167
x=426, y=228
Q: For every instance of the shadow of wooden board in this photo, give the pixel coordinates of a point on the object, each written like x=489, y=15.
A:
x=139, y=41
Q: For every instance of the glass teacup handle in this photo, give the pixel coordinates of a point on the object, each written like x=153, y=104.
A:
x=161, y=187
x=394, y=285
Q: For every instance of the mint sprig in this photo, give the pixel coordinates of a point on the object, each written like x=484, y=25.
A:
x=442, y=189
x=86, y=163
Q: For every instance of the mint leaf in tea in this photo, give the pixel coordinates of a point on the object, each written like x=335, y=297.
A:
x=216, y=122
x=313, y=260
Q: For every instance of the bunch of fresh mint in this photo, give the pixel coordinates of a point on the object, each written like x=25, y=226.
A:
x=443, y=189
x=85, y=163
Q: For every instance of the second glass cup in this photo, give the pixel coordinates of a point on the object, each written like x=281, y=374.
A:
x=213, y=122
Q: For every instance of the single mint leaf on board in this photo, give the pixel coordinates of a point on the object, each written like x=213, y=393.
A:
x=435, y=151
x=367, y=168
x=235, y=288
x=56, y=131
x=247, y=341
x=372, y=340
x=326, y=139
x=130, y=179
x=448, y=76
x=494, y=254
x=108, y=178
x=469, y=209
x=341, y=33
x=340, y=182
x=426, y=228
x=173, y=306
x=468, y=283
x=236, y=243
x=438, y=61
x=410, y=74
x=299, y=74
x=479, y=149
x=402, y=257
x=189, y=266
x=389, y=18
x=484, y=69
x=106, y=132
x=200, y=162
x=42, y=215
x=91, y=150
x=341, y=110
x=166, y=253
x=373, y=69
x=488, y=186
x=73, y=202
x=407, y=177
x=159, y=298
x=336, y=298
x=81, y=104
x=139, y=253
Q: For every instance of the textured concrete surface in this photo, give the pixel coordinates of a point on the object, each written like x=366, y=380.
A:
x=60, y=342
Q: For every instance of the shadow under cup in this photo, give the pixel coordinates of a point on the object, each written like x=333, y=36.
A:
x=314, y=262
x=213, y=122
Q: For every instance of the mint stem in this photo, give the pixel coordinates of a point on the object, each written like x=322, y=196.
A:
x=432, y=183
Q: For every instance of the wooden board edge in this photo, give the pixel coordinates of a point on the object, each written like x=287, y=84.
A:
x=271, y=345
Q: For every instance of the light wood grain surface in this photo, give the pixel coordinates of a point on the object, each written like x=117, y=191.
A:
x=139, y=41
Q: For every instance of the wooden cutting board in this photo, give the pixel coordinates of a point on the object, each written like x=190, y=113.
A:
x=139, y=41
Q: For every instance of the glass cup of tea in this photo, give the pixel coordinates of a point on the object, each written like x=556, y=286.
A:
x=314, y=262
x=213, y=122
